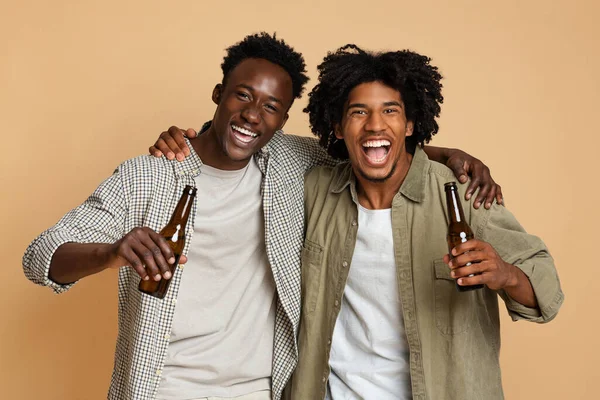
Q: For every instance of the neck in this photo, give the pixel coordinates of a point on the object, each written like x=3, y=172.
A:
x=378, y=195
x=211, y=152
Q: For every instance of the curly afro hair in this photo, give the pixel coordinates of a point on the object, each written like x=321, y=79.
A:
x=408, y=72
x=264, y=46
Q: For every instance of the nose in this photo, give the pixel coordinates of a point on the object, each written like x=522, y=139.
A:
x=375, y=123
x=251, y=115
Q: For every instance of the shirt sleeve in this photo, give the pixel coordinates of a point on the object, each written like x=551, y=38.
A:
x=530, y=254
x=100, y=219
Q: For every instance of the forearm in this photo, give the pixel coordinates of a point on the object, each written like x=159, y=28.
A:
x=438, y=154
x=74, y=261
x=519, y=288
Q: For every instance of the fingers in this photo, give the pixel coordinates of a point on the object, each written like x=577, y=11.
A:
x=482, y=194
x=467, y=258
x=179, y=137
x=481, y=182
x=134, y=261
x=475, y=268
x=156, y=252
x=499, y=196
x=190, y=133
x=487, y=187
x=172, y=144
x=472, y=188
x=447, y=258
x=489, y=198
x=471, y=280
x=168, y=145
x=155, y=152
x=469, y=245
x=182, y=259
x=148, y=253
x=458, y=166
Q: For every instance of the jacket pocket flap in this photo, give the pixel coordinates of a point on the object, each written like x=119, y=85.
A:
x=442, y=270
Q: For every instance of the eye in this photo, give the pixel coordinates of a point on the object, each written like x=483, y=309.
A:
x=390, y=110
x=271, y=107
x=358, y=112
x=243, y=96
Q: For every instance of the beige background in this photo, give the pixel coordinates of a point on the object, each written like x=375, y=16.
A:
x=87, y=84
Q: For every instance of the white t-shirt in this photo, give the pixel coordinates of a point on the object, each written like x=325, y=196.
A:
x=369, y=352
x=222, y=337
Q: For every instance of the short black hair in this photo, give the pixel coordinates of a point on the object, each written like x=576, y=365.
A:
x=349, y=66
x=264, y=46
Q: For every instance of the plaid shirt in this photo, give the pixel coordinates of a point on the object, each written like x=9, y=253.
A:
x=143, y=192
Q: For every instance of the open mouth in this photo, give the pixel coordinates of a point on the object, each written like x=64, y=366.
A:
x=376, y=150
x=242, y=134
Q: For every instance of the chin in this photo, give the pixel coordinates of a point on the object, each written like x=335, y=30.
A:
x=240, y=156
x=377, y=175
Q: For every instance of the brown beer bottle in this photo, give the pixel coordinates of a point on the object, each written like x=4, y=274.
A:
x=458, y=229
x=174, y=234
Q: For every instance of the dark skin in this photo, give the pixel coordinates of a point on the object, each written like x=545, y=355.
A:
x=251, y=107
x=490, y=270
x=256, y=98
x=172, y=144
x=375, y=112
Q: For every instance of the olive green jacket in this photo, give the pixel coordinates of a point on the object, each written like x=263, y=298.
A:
x=453, y=337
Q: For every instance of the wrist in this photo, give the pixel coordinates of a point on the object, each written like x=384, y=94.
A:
x=445, y=154
x=104, y=256
x=513, y=276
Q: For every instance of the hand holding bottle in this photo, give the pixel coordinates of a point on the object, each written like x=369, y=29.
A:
x=145, y=251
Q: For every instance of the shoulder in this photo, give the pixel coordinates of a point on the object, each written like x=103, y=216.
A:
x=439, y=175
x=301, y=147
x=325, y=174
x=325, y=178
x=296, y=142
x=146, y=167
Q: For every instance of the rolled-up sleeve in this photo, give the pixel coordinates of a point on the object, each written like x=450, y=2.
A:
x=529, y=253
x=100, y=219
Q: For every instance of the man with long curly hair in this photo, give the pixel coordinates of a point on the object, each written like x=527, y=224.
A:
x=381, y=316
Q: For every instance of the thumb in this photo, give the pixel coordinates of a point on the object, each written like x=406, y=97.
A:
x=460, y=169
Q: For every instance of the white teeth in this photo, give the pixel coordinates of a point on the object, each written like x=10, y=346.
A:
x=376, y=143
x=244, y=131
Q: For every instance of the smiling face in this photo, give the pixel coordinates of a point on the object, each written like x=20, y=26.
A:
x=374, y=128
x=251, y=107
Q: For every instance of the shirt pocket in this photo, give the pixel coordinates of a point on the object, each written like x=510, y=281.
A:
x=454, y=310
x=312, y=255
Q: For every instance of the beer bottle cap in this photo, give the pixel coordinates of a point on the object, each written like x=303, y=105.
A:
x=449, y=185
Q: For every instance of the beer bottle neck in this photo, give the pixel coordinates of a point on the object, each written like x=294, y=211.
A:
x=455, y=211
x=182, y=211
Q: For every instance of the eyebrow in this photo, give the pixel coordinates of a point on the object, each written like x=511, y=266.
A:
x=386, y=104
x=251, y=89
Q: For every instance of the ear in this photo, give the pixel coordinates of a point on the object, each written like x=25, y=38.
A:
x=409, y=128
x=216, y=94
x=337, y=130
x=285, y=118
